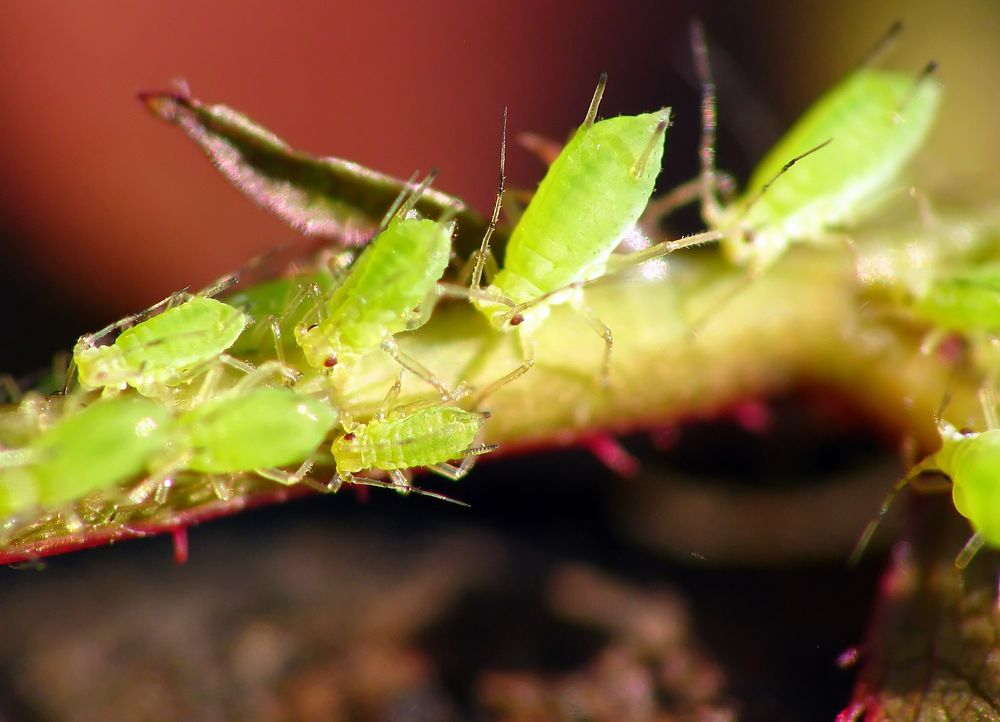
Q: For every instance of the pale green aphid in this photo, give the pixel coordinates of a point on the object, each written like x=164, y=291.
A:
x=588, y=201
x=971, y=460
x=397, y=273
x=965, y=300
x=162, y=350
x=100, y=446
x=874, y=120
x=429, y=438
x=592, y=194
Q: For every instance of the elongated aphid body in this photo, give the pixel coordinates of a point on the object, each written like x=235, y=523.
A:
x=591, y=196
x=429, y=437
x=858, y=137
x=394, y=275
x=98, y=447
x=162, y=350
x=256, y=429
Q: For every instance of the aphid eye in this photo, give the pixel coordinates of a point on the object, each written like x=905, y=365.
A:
x=516, y=320
x=330, y=361
x=349, y=437
x=311, y=326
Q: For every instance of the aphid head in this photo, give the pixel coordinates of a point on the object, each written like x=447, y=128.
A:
x=102, y=367
x=347, y=451
x=318, y=347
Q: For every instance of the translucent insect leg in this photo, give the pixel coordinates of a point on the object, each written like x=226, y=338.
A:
x=604, y=331
x=453, y=472
x=975, y=543
x=389, y=402
x=528, y=361
x=286, y=478
x=338, y=481
x=680, y=196
x=130, y=320
x=413, y=366
x=483, y=253
x=869, y=532
x=222, y=487
x=545, y=149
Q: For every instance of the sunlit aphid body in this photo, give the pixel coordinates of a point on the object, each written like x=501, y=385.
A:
x=429, y=438
x=93, y=449
x=162, y=350
x=874, y=121
x=591, y=196
x=397, y=273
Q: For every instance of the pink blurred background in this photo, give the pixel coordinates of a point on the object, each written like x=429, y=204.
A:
x=105, y=209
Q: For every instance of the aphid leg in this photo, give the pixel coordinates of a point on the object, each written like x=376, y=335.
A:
x=389, y=402
x=678, y=197
x=453, y=472
x=975, y=543
x=290, y=478
x=222, y=487
x=413, y=366
x=911, y=477
x=604, y=331
x=987, y=399
x=338, y=481
x=545, y=149
x=528, y=361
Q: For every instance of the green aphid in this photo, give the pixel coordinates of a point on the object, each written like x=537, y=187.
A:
x=858, y=138
x=162, y=350
x=590, y=198
x=427, y=438
x=390, y=288
x=256, y=431
x=96, y=448
x=971, y=460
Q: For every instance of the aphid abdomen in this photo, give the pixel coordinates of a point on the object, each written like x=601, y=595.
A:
x=877, y=120
x=395, y=274
x=430, y=436
x=106, y=443
x=590, y=197
x=165, y=347
x=963, y=301
x=266, y=427
x=972, y=464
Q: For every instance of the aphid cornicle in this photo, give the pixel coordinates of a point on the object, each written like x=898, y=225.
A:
x=874, y=121
x=429, y=438
x=397, y=273
x=162, y=350
x=102, y=445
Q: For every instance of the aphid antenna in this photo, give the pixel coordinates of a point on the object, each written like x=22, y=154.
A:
x=922, y=77
x=220, y=285
x=971, y=548
x=397, y=202
x=706, y=146
x=417, y=193
x=480, y=450
x=595, y=102
x=784, y=169
x=484, y=247
x=882, y=46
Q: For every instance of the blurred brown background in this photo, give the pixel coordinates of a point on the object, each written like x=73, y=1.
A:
x=105, y=209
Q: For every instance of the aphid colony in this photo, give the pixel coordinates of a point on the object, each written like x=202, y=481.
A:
x=254, y=383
